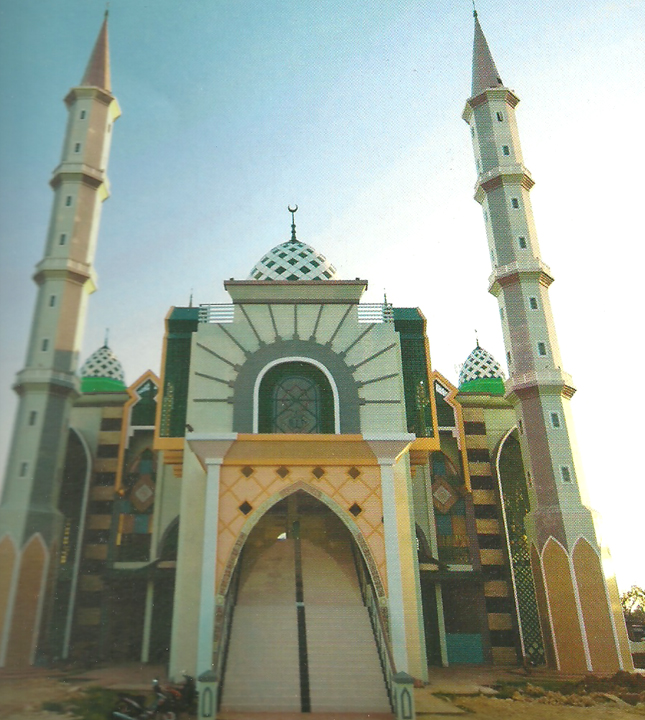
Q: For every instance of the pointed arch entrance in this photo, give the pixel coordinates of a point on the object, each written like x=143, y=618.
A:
x=298, y=487
x=299, y=626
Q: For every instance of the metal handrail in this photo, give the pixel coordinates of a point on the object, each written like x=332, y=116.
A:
x=221, y=654
x=379, y=626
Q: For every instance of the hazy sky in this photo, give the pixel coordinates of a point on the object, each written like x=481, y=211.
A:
x=233, y=109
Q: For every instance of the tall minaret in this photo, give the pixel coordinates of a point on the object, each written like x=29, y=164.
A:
x=47, y=386
x=580, y=611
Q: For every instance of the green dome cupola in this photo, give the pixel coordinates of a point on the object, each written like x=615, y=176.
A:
x=481, y=373
x=102, y=372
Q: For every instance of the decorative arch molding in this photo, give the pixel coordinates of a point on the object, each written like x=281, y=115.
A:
x=551, y=540
x=8, y=537
x=567, y=619
x=332, y=364
x=25, y=604
x=591, y=585
x=583, y=539
x=9, y=566
x=342, y=514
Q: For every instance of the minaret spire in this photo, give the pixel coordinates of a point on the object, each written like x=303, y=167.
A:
x=97, y=72
x=485, y=73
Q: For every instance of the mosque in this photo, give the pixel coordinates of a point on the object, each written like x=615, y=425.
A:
x=300, y=502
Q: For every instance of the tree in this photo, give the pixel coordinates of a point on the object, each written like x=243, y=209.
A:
x=633, y=602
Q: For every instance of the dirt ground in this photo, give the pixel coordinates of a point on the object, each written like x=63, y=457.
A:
x=452, y=692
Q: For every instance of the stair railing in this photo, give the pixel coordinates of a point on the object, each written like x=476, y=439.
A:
x=223, y=629
x=379, y=625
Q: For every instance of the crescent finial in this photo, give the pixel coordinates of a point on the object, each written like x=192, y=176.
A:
x=293, y=211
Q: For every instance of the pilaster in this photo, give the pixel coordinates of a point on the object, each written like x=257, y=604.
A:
x=404, y=591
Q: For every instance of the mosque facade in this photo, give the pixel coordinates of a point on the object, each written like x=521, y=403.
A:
x=300, y=501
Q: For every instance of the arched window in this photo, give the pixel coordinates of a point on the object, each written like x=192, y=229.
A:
x=295, y=397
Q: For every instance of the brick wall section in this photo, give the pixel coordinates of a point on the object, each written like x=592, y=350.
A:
x=490, y=536
x=91, y=589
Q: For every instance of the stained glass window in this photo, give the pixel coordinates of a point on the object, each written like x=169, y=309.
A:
x=296, y=397
x=296, y=406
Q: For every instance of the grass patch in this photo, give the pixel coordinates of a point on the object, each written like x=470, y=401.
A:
x=94, y=703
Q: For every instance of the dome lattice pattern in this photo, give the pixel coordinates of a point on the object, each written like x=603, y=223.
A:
x=293, y=260
x=480, y=364
x=103, y=363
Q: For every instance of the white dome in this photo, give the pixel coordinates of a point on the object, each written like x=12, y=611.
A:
x=103, y=363
x=480, y=364
x=293, y=260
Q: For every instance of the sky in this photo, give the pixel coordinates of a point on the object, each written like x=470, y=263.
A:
x=234, y=109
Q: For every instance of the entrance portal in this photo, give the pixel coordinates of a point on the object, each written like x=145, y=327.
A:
x=301, y=637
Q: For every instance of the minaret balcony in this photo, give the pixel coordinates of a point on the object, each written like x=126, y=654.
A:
x=532, y=268
x=74, y=172
x=548, y=378
x=64, y=383
x=100, y=94
x=65, y=268
x=497, y=93
x=502, y=175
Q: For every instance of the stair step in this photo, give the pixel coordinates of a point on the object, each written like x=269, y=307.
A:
x=262, y=672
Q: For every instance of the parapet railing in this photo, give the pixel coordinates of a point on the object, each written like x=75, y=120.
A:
x=222, y=313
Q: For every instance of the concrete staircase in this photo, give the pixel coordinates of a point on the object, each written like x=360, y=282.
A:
x=262, y=668
x=344, y=670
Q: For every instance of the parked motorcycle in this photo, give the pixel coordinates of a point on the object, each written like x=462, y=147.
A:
x=167, y=702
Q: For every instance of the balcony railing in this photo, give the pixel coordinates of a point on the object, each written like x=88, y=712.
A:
x=367, y=313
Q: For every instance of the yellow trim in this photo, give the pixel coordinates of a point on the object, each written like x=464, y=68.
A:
x=305, y=450
x=114, y=110
x=459, y=422
x=170, y=443
x=125, y=421
x=427, y=444
x=298, y=437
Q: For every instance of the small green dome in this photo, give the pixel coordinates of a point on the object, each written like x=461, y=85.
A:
x=102, y=372
x=101, y=385
x=487, y=385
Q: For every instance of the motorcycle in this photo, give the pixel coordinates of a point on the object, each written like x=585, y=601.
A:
x=167, y=702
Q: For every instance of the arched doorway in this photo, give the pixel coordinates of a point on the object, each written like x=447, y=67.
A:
x=301, y=638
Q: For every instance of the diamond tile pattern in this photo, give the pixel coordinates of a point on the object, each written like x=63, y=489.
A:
x=335, y=486
x=479, y=364
x=245, y=508
x=143, y=493
x=443, y=494
x=103, y=363
x=293, y=260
